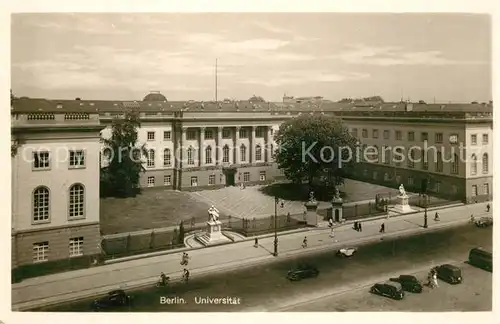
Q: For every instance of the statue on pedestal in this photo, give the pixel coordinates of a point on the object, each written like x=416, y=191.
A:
x=402, y=191
x=337, y=194
x=311, y=197
x=213, y=214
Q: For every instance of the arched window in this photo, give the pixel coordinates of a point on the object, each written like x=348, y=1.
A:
x=225, y=154
x=473, y=166
x=439, y=162
x=208, y=155
x=190, y=156
x=76, y=201
x=167, y=157
x=485, y=163
x=375, y=154
x=41, y=204
x=151, y=158
x=454, y=164
x=243, y=153
x=411, y=159
x=258, y=153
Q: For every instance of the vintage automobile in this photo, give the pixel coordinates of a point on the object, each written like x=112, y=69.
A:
x=481, y=258
x=302, y=271
x=389, y=289
x=347, y=252
x=409, y=283
x=449, y=273
x=114, y=299
x=484, y=221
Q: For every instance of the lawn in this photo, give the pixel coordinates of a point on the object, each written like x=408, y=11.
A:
x=153, y=208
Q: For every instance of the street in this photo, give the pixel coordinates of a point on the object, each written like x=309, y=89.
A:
x=265, y=288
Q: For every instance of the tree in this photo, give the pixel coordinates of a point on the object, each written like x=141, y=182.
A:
x=121, y=177
x=315, y=148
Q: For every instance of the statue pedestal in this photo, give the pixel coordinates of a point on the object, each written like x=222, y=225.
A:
x=213, y=235
x=311, y=215
x=402, y=205
x=337, y=209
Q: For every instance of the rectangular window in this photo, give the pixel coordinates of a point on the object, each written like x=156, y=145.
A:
x=374, y=174
x=364, y=133
x=243, y=133
x=151, y=159
x=246, y=176
x=438, y=138
x=425, y=136
x=226, y=133
x=151, y=136
x=167, y=158
x=40, y=252
x=191, y=135
x=399, y=136
x=75, y=246
x=194, y=181
x=438, y=186
x=167, y=135
x=211, y=179
x=41, y=160
x=485, y=139
x=354, y=132
x=387, y=134
x=411, y=136
x=259, y=132
x=262, y=175
x=76, y=159
x=486, y=188
x=410, y=181
x=167, y=180
x=425, y=161
x=474, y=190
x=473, y=139
x=375, y=133
x=151, y=181
x=209, y=134
x=453, y=138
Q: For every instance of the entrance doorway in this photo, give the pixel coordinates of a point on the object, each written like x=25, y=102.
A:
x=423, y=186
x=230, y=173
x=337, y=216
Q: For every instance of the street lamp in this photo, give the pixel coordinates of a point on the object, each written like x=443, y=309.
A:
x=425, y=211
x=276, y=202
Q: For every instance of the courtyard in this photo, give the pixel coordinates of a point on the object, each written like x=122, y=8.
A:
x=161, y=208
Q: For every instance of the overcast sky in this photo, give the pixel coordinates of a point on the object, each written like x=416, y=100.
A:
x=442, y=57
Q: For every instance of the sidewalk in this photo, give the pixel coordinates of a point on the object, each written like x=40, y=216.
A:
x=73, y=285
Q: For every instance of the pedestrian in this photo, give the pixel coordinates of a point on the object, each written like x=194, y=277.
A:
x=304, y=242
x=360, y=229
x=382, y=228
x=488, y=208
x=434, y=279
x=355, y=226
x=256, y=242
x=436, y=217
x=330, y=222
x=332, y=233
x=185, y=275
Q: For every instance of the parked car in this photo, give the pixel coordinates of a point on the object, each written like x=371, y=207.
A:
x=449, y=273
x=302, y=271
x=481, y=258
x=114, y=299
x=484, y=221
x=409, y=283
x=347, y=252
x=389, y=289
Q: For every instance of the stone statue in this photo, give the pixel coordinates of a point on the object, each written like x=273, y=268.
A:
x=337, y=193
x=311, y=197
x=402, y=190
x=213, y=214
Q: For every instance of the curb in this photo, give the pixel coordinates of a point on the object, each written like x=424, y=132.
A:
x=228, y=266
x=301, y=230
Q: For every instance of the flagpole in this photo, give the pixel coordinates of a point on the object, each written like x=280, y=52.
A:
x=215, y=80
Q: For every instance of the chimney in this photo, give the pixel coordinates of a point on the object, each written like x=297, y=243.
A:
x=78, y=98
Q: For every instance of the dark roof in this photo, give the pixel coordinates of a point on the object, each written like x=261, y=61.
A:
x=154, y=96
x=101, y=106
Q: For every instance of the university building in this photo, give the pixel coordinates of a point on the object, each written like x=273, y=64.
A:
x=55, y=207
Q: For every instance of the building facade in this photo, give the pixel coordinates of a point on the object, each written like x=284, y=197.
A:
x=202, y=145
x=55, y=185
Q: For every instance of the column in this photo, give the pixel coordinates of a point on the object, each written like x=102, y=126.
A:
x=218, y=150
x=201, y=147
x=252, y=145
x=236, y=145
x=269, y=143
